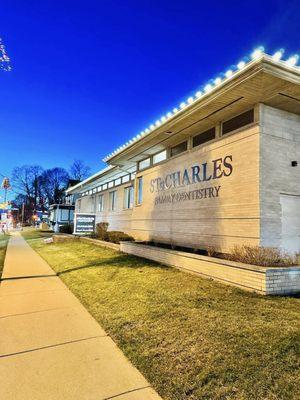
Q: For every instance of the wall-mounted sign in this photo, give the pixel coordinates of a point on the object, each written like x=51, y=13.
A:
x=165, y=187
x=84, y=223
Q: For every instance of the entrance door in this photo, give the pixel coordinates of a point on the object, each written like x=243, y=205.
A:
x=290, y=223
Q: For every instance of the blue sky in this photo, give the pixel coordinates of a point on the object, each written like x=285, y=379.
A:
x=87, y=76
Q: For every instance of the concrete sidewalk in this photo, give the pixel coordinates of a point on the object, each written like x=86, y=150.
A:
x=50, y=346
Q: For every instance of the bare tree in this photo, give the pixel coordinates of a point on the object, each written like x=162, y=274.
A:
x=26, y=181
x=79, y=170
x=53, y=183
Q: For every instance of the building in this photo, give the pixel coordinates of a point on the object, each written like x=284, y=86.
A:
x=220, y=170
x=63, y=213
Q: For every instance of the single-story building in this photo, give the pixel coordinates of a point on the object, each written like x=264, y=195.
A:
x=221, y=169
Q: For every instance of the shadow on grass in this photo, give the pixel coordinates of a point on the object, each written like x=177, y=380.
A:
x=120, y=261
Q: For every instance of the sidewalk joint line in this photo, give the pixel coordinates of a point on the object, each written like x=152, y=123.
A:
x=129, y=391
x=30, y=292
x=50, y=346
x=38, y=311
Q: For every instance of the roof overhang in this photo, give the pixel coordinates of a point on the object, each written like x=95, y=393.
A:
x=262, y=81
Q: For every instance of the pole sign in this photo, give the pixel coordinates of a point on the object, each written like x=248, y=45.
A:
x=84, y=223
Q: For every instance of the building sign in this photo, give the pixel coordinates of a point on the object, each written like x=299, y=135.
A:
x=84, y=223
x=208, y=172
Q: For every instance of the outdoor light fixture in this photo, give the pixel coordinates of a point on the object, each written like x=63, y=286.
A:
x=278, y=55
x=229, y=73
x=241, y=64
x=292, y=61
x=256, y=55
x=294, y=163
x=207, y=88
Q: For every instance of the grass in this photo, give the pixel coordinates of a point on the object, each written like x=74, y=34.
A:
x=29, y=234
x=192, y=338
x=3, y=244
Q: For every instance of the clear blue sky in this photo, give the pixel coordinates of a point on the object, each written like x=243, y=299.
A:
x=89, y=75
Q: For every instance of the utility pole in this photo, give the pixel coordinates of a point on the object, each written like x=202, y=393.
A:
x=23, y=208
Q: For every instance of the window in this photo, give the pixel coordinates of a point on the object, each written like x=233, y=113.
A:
x=125, y=178
x=64, y=215
x=204, y=137
x=144, y=163
x=113, y=200
x=118, y=181
x=238, y=121
x=140, y=190
x=179, y=148
x=101, y=203
x=79, y=205
x=157, y=158
x=128, y=197
x=110, y=184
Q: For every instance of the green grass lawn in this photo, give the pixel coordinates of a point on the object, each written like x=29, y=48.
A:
x=192, y=338
x=3, y=244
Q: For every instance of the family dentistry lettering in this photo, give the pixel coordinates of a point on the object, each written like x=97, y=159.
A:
x=199, y=173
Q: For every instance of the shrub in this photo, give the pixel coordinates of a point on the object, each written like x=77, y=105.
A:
x=264, y=256
x=117, y=237
x=101, y=230
x=68, y=228
x=211, y=251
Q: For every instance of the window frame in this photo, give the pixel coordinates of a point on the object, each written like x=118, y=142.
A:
x=113, y=200
x=176, y=145
x=101, y=203
x=139, y=191
x=128, y=197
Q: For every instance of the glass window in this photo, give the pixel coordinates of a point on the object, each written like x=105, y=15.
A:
x=104, y=187
x=64, y=215
x=179, y=148
x=101, y=203
x=125, y=178
x=238, y=121
x=204, y=137
x=160, y=157
x=110, y=184
x=128, y=197
x=140, y=190
x=144, y=163
x=79, y=205
x=113, y=200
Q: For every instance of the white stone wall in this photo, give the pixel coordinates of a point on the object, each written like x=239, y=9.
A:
x=279, y=145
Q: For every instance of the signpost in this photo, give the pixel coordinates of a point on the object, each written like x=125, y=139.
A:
x=84, y=223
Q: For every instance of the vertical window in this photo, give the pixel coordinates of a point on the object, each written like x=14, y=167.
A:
x=140, y=190
x=101, y=203
x=128, y=197
x=113, y=200
x=79, y=205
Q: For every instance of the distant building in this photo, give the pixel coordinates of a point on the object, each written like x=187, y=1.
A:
x=63, y=213
x=222, y=169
